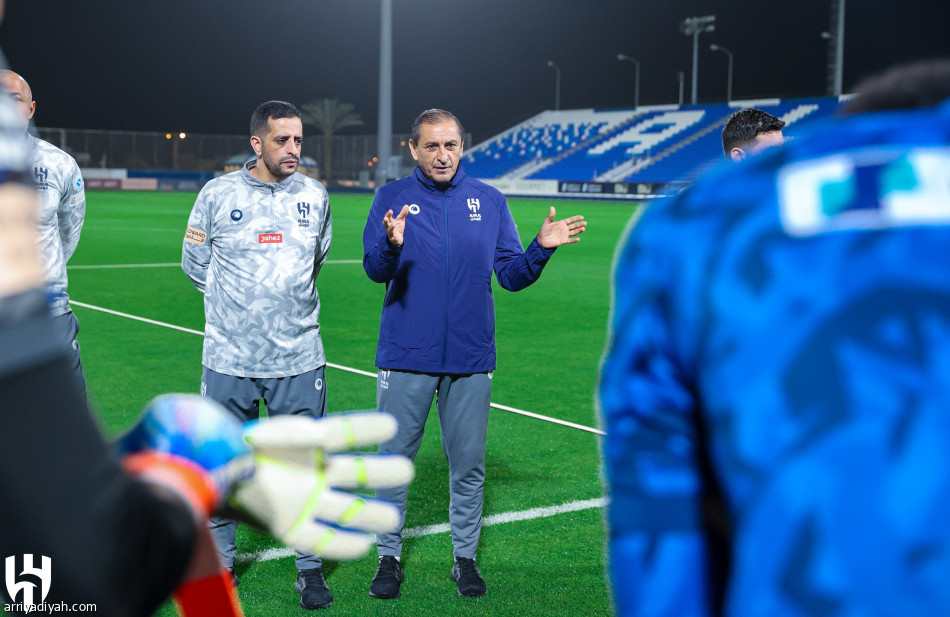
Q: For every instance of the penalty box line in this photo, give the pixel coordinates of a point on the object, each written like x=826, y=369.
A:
x=430, y=530
x=340, y=367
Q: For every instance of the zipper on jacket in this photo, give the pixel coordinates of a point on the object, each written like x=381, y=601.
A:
x=448, y=281
x=273, y=209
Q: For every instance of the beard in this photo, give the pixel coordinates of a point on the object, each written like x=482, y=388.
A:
x=273, y=166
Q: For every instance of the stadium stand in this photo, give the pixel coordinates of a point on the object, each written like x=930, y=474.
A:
x=656, y=144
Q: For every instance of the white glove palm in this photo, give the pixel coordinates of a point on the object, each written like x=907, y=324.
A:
x=291, y=493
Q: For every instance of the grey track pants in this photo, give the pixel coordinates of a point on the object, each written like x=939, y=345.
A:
x=463, y=406
x=304, y=394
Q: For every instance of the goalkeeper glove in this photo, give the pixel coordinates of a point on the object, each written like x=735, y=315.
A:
x=281, y=474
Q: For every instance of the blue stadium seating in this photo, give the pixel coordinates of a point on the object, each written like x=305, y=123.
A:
x=650, y=144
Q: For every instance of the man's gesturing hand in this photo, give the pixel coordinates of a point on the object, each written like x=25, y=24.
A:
x=395, y=226
x=555, y=233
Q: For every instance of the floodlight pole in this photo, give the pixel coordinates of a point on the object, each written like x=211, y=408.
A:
x=694, y=26
x=385, y=129
x=715, y=47
x=636, y=79
x=557, y=84
x=680, y=77
x=836, y=47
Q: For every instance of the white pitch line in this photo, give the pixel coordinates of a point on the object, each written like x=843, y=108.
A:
x=430, y=530
x=177, y=264
x=549, y=419
x=136, y=318
x=343, y=368
x=114, y=266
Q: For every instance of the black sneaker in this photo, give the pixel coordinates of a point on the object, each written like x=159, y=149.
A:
x=313, y=589
x=387, y=579
x=469, y=580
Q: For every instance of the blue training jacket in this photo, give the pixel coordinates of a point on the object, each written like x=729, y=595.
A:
x=781, y=346
x=438, y=313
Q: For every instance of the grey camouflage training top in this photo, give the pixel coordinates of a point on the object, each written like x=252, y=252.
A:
x=59, y=184
x=254, y=250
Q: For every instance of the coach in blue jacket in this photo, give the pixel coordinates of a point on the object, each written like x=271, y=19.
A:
x=437, y=332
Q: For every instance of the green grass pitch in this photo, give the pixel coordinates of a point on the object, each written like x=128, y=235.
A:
x=550, y=340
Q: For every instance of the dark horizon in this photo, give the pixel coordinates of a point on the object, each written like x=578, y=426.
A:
x=177, y=66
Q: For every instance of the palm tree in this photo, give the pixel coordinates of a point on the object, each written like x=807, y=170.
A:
x=329, y=116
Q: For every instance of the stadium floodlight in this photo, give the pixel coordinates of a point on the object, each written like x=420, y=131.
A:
x=694, y=26
x=557, y=84
x=636, y=79
x=680, y=77
x=715, y=47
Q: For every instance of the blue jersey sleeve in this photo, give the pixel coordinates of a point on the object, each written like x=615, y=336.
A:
x=658, y=551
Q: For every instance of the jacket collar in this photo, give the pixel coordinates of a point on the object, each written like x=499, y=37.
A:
x=283, y=185
x=432, y=186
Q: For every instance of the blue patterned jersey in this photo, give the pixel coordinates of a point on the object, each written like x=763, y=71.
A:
x=776, y=391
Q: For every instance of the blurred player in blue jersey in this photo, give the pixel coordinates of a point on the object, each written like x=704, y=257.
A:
x=58, y=181
x=776, y=390
x=749, y=131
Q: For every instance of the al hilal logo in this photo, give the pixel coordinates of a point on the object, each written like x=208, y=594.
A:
x=474, y=206
x=44, y=573
x=42, y=177
x=270, y=238
x=303, y=209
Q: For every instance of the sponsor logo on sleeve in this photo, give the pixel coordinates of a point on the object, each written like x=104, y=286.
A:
x=78, y=185
x=270, y=238
x=195, y=236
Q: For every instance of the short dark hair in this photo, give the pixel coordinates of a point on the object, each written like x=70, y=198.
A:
x=434, y=116
x=923, y=83
x=745, y=125
x=270, y=109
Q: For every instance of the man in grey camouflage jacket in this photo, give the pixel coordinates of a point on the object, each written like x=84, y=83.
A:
x=59, y=184
x=255, y=242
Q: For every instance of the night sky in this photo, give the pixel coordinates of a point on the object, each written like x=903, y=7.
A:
x=202, y=66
